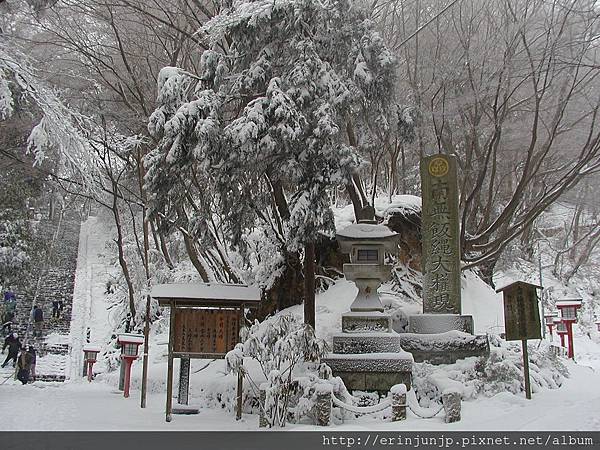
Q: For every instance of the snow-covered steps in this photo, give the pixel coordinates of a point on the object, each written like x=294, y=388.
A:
x=50, y=378
x=56, y=349
x=51, y=367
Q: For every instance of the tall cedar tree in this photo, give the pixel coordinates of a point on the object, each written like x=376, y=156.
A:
x=265, y=121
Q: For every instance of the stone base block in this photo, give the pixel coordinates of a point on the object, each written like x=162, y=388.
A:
x=366, y=343
x=374, y=381
x=439, y=323
x=364, y=322
x=372, y=372
x=444, y=348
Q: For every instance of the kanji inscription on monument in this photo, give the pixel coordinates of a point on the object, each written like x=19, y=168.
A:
x=441, y=252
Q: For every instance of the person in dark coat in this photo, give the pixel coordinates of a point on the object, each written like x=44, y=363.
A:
x=38, y=321
x=55, y=309
x=33, y=354
x=14, y=345
x=7, y=322
x=24, y=366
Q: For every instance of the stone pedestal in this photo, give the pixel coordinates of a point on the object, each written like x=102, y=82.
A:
x=440, y=323
x=444, y=348
x=368, y=355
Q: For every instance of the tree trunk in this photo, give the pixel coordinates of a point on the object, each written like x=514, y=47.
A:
x=486, y=270
x=193, y=254
x=122, y=261
x=309, y=283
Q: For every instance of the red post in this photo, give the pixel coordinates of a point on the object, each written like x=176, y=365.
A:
x=562, y=339
x=89, y=365
x=571, y=353
x=128, y=362
x=550, y=330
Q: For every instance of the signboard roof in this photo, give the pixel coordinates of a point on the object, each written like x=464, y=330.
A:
x=515, y=283
x=521, y=314
x=206, y=294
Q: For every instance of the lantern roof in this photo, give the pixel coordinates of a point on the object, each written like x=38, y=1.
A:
x=366, y=233
x=551, y=314
x=130, y=338
x=91, y=348
x=576, y=302
x=557, y=320
x=515, y=284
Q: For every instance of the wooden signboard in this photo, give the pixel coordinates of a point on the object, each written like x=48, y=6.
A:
x=205, y=331
x=521, y=312
x=522, y=319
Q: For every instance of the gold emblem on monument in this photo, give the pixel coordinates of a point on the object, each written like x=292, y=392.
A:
x=438, y=167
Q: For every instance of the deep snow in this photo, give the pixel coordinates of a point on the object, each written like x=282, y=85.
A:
x=79, y=405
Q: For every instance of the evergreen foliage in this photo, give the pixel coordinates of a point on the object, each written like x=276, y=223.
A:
x=270, y=106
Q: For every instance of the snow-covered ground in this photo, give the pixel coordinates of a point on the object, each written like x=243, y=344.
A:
x=79, y=405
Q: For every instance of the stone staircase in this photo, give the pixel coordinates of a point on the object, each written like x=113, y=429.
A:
x=53, y=282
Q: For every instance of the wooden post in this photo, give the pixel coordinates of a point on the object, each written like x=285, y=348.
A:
x=262, y=418
x=146, y=333
x=571, y=348
x=398, y=393
x=452, y=405
x=169, y=407
x=240, y=386
x=128, y=362
x=184, y=381
x=526, y=369
x=121, y=372
x=240, y=380
x=323, y=406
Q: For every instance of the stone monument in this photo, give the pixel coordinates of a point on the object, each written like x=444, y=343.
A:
x=441, y=334
x=368, y=355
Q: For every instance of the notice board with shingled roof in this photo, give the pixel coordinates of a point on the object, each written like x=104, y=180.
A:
x=205, y=320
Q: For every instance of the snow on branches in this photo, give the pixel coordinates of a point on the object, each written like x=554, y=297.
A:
x=280, y=345
x=271, y=108
x=61, y=129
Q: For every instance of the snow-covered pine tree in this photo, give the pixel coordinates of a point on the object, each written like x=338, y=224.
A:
x=263, y=127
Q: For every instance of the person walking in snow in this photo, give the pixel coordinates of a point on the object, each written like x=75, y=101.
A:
x=55, y=309
x=24, y=366
x=7, y=322
x=32, y=352
x=14, y=345
x=38, y=321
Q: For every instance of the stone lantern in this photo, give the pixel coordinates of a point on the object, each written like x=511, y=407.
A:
x=561, y=330
x=568, y=313
x=368, y=354
x=129, y=352
x=366, y=244
x=549, y=321
x=90, y=354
